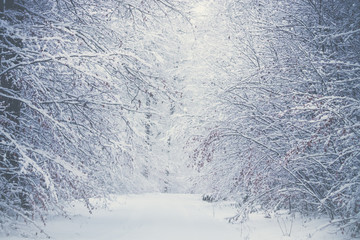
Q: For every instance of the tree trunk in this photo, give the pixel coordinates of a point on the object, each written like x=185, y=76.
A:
x=10, y=112
x=6, y=4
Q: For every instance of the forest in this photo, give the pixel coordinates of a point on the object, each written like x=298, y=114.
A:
x=257, y=101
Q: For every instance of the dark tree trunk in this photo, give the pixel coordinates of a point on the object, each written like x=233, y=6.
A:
x=9, y=114
x=6, y=4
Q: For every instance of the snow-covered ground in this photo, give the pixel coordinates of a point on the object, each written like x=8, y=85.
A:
x=176, y=216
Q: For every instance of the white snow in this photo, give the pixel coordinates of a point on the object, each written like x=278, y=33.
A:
x=176, y=216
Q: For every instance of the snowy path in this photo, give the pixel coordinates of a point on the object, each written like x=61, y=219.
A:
x=164, y=217
x=176, y=217
x=149, y=216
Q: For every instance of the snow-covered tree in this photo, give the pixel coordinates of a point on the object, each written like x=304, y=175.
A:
x=290, y=139
x=74, y=76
